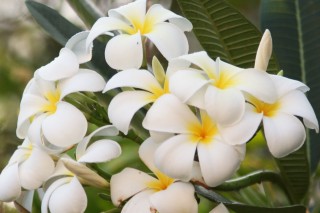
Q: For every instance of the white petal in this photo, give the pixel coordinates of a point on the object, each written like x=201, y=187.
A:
x=285, y=85
x=264, y=52
x=67, y=126
x=218, y=161
x=203, y=61
x=138, y=203
x=186, y=83
x=123, y=187
x=226, y=70
x=219, y=209
x=296, y=103
x=284, y=134
x=175, y=156
x=9, y=183
x=159, y=137
x=256, y=83
x=141, y=79
x=103, y=26
x=101, y=151
x=242, y=131
x=107, y=130
x=124, y=52
x=77, y=44
x=169, y=39
x=26, y=200
x=146, y=153
x=84, y=81
x=226, y=107
x=65, y=65
x=166, y=200
x=50, y=190
x=123, y=107
x=36, y=169
x=29, y=106
x=42, y=86
x=69, y=197
x=157, y=13
x=134, y=12
x=169, y=114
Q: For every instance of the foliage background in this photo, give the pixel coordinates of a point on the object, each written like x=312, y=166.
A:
x=24, y=47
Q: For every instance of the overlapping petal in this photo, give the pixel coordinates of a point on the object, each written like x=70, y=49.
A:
x=178, y=116
x=85, y=81
x=218, y=161
x=65, y=65
x=175, y=157
x=10, y=183
x=169, y=40
x=124, y=51
x=219, y=209
x=178, y=197
x=123, y=107
x=146, y=153
x=285, y=85
x=66, y=127
x=226, y=106
x=139, y=203
x=122, y=187
x=284, y=134
x=77, y=44
x=141, y=79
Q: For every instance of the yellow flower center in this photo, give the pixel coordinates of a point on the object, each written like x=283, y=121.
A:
x=224, y=81
x=144, y=27
x=268, y=110
x=157, y=91
x=162, y=183
x=53, y=98
x=203, y=132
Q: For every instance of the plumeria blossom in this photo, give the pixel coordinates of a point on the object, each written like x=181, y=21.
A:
x=62, y=124
x=151, y=194
x=66, y=194
x=124, y=105
x=134, y=24
x=175, y=156
x=221, y=84
x=28, y=168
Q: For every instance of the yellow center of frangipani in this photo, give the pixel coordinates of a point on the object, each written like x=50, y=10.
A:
x=158, y=91
x=224, y=80
x=162, y=183
x=144, y=27
x=203, y=132
x=268, y=110
x=53, y=98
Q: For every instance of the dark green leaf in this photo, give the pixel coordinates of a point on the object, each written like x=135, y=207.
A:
x=223, y=32
x=295, y=26
x=239, y=207
x=86, y=11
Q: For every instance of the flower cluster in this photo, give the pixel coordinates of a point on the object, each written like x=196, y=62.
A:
x=200, y=114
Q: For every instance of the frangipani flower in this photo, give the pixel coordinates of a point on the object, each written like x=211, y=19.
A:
x=66, y=194
x=28, y=168
x=124, y=105
x=149, y=194
x=283, y=131
x=221, y=84
x=175, y=156
x=62, y=124
x=125, y=51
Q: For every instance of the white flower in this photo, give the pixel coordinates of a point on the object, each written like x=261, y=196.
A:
x=62, y=124
x=28, y=168
x=218, y=86
x=264, y=52
x=124, y=105
x=161, y=194
x=175, y=156
x=66, y=193
x=125, y=50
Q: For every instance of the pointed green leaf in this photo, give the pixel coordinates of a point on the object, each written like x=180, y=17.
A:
x=224, y=32
x=86, y=10
x=60, y=29
x=294, y=25
x=240, y=207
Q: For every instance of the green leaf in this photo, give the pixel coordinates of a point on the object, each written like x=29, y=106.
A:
x=60, y=29
x=224, y=32
x=294, y=25
x=239, y=207
x=86, y=11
